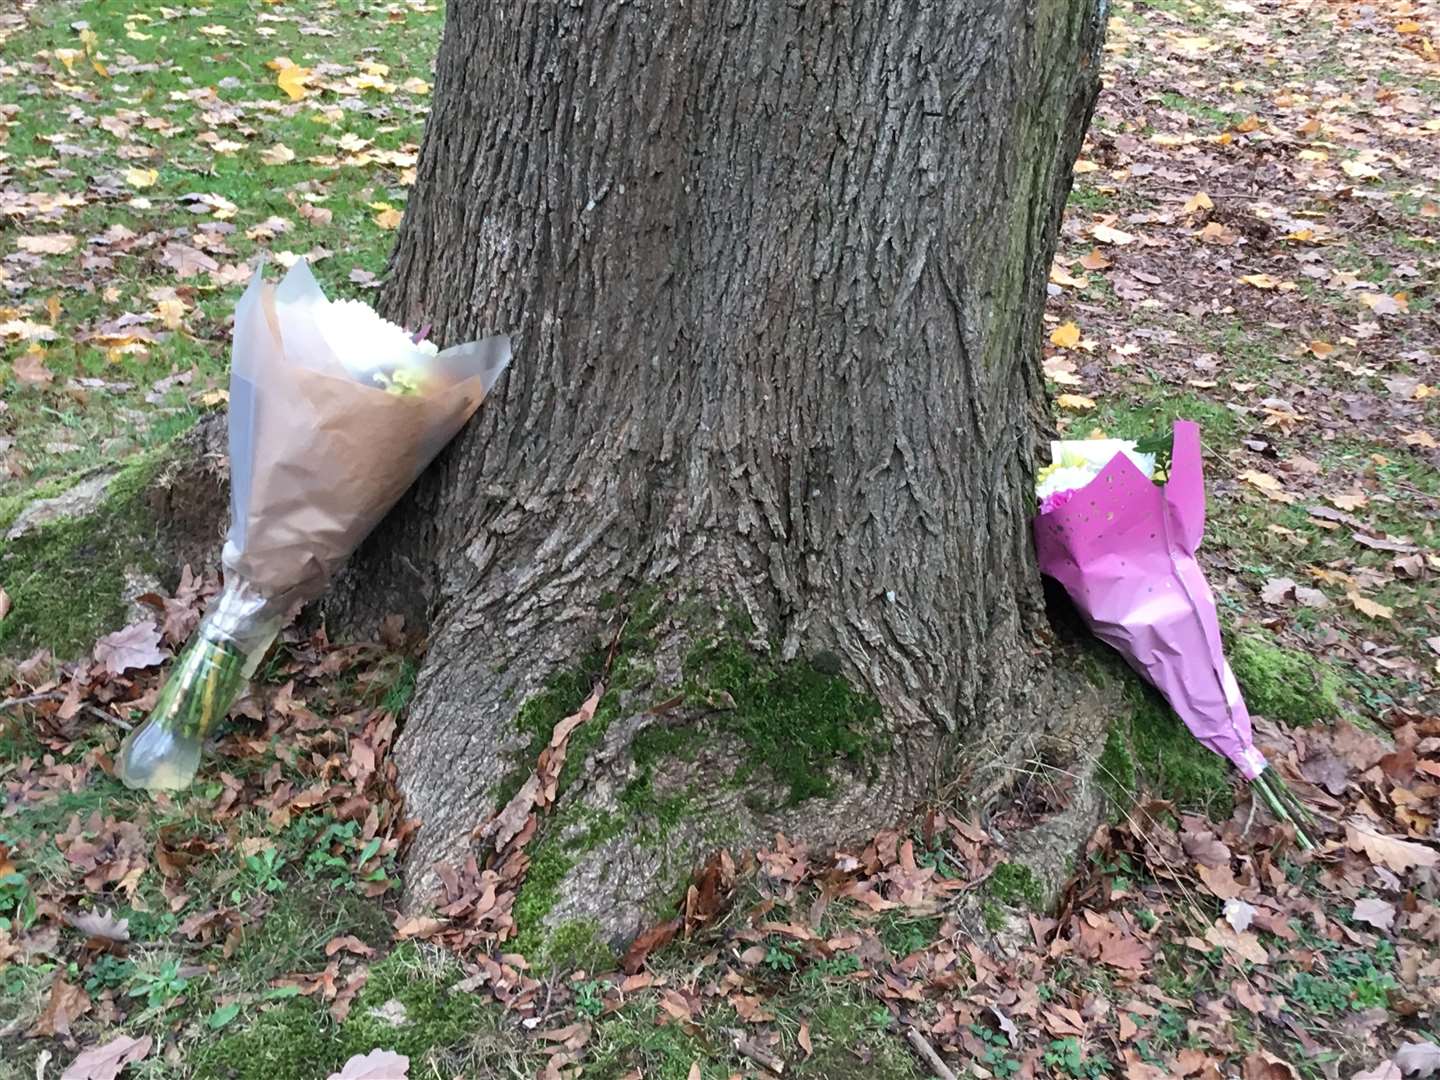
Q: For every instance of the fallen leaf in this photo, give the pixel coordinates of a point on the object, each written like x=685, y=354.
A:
x=1277, y=590
x=105, y=1062
x=1418, y=1058
x=141, y=178
x=1369, y=607
x=646, y=943
x=1197, y=202
x=1107, y=235
x=1421, y=439
x=376, y=1065
x=292, y=79
x=1245, y=945
x=1065, y=336
x=1377, y=913
x=102, y=924
x=388, y=218
x=53, y=244
x=1272, y=487
x=803, y=1038
x=1239, y=915
x=1353, y=500
x=1075, y=402
x=279, y=154
x=66, y=1004
x=1399, y=855
x=1384, y=1071
x=1094, y=260
x=1262, y=1065
x=136, y=646
x=29, y=368
x=1321, y=349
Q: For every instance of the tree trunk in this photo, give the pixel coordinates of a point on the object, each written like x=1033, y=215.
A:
x=775, y=275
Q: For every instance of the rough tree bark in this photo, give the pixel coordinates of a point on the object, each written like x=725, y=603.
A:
x=775, y=275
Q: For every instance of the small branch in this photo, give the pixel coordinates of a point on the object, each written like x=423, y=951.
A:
x=929, y=1056
x=56, y=695
x=757, y=1053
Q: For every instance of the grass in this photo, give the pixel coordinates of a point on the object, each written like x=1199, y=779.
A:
x=200, y=108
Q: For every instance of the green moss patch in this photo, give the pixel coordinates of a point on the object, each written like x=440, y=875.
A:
x=797, y=720
x=1284, y=685
x=65, y=578
x=1151, y=749
x=1015, y=884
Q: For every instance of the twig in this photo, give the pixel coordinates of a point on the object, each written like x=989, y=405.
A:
x=56, y=695
x=756, y=1053
x=929, y=1056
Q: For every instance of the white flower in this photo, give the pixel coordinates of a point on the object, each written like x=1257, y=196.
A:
x=367, y=344
x=1066, y=478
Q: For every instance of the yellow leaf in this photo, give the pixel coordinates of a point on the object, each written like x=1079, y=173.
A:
x=1409, y=26
x=1197, y=202
x=1083, y=166
x=1094, y=260
x=1075, y=402
x=292, y=79
x=1250, y=123
x=1349, y=501
x=141, y=178
x=1261, y=281
x=1359, y=170
x=1422, y=439
x=1105, y=234
x=52, y=308
x=413, y=85
x=1321, y=349
x=1369, y=607
x=388, y=218
x=1266, y=483
x=172, y=313
x=279, y=154
x=1423, y=391
x=1060, y=276
x=68, y=58
x=211, y=398
x=1065, y=336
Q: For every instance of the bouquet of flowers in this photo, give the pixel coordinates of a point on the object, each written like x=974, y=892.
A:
x=333, y=414
x=1124, y=549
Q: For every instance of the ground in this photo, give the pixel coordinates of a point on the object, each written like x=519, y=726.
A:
x=1253, y=242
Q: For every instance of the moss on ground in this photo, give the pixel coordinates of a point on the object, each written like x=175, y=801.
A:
x=795, y=721
x=291, y=1039
x=66, y=577
x=1151, y=749
x=1283, y=685
x=1015, y=884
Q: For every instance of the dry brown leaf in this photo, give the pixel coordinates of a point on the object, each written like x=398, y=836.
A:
x=136, y=646
x=1398, y=855
x=376, y=1065
x=1094, y=260
x=66, y=1004
x=106, y=1062
x=29, y=368
x=1376, y=913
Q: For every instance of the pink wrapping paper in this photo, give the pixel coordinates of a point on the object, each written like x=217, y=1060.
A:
x=1124, y=549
